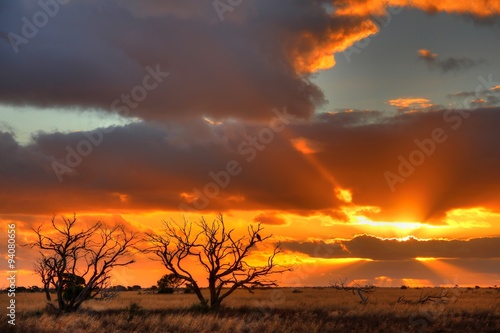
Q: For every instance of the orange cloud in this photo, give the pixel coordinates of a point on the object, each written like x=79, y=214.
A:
x=412, y=283
x=344, y=194
x=427, y=54
x=305, y=146
x=313, y=52
x=360, y=7
x=480, y=8
x=405, y=104
x=478, y=101
x=477, y=217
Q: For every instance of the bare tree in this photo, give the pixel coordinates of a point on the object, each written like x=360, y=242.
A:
x=222, y=255
x=76, y=264
x=442, y=297
x=362, y=291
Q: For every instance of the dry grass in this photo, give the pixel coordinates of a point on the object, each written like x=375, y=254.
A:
x=277, y=310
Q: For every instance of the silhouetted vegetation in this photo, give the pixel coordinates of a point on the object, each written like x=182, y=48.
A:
x=222, y=255
x=76, y=264
x=169, y=283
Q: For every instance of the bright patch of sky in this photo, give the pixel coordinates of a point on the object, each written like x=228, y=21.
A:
x=26, y=121
x=388, y=66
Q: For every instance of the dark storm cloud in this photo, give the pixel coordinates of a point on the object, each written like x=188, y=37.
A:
x=394, y=273
x=457, y=64
x=147, y=166
x=92, y=53
x=370, y=247
x=450, y=64
x=143, y=166
x=465, y=163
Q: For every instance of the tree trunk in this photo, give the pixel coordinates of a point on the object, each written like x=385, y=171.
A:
x=60, y=300
x=198, y=293
x=47, y=294
x=215, y=304
x=214, y=297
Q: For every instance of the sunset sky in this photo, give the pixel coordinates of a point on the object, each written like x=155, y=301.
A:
x=364, y=135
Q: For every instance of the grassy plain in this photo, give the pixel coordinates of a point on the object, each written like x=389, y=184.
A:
x=274, y=310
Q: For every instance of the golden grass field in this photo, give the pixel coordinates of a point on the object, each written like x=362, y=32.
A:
x=274, y=310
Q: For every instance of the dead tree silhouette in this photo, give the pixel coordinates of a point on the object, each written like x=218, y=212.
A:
x=223, y=256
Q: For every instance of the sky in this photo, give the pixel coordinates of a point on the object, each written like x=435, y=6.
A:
x=362, y=134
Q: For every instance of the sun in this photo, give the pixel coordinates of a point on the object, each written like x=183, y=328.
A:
x=398, y=229
x=401, y=225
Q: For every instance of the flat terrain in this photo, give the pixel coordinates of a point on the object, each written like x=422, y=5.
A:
x=274, y=310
